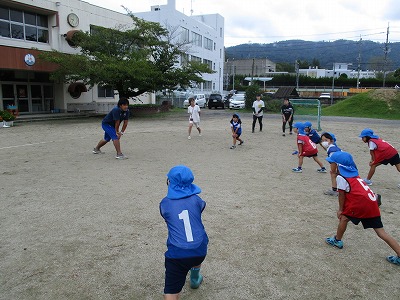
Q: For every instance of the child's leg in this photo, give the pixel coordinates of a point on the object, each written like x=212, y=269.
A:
x=388, y=239
x=333, y=177
x=190, y=128
x=260, y=122
x=198, y=127
x=372, y=171
x=101, y=144
x=290, y=125
x=234, y=141
x=171, y=296
x=283, y=126
x=301, y=158
x=343, y=220
x=398, y=167
x=253, y=125
x=316, y=159
x=117, y=146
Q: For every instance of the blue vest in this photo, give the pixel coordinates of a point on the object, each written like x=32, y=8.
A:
x=186, y=234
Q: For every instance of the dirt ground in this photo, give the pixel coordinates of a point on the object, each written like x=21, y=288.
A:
x=75, y=225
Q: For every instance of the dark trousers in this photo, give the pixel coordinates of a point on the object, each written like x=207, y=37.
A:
x=254, y=122
x=290, y=124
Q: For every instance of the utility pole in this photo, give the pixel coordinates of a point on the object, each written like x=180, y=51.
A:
x=359, y=63
x=296, y=66
x=333, y=82
x=386, y=51
x=252, y=72
x=234, y=71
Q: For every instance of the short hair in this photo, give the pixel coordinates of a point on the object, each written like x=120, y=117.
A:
x=327, y=135
x=191, y=99
x=123, y=101
x=258, y=95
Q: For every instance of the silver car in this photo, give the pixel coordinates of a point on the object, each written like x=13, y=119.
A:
x=199, y=99
x=237, y=102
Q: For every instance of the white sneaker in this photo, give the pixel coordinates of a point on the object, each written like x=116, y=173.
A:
x=369, y=182
x=97, y=151
x=189, y=137
x=331, y=193
x=121, y=156
x=199, y=134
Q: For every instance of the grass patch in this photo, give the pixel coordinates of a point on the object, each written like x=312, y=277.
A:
x=374, y=104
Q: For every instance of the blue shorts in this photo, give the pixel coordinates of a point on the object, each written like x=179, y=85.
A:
x=375, y=222
x=109, y=132
x=176, y=270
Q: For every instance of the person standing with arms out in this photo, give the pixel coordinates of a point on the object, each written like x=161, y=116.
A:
x=236, y=127
x=194, y=116
x=258, y=111
x=382, y=153
x=187, y=239
x=287, y=116
x=111, y=124
x=357, y=203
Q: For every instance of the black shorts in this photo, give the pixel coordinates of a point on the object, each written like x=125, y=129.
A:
x=313, y=155
x=375, y=222
x=176, y=270
x=393, y=160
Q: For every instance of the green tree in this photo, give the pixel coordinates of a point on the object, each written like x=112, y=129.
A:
x=251, y=92
x=132, y=61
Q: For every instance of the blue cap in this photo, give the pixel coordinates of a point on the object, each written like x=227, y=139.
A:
x=180, y=183
x=307, y=124
x=332, y=135
x=368, y=132
x=300, y=126
x=345, y=162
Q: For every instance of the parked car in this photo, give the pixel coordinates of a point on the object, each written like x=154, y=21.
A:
x=215, y=100
x=237, y=102
x=325, y=96
x=199, y=99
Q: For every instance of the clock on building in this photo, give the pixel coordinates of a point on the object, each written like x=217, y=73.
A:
x=73, y=20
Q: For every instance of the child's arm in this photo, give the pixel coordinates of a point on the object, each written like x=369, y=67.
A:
x=300, y=147
x=117, y=123
x=124, y=125
x=372, y=157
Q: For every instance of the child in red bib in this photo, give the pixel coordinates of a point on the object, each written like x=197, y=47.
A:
x=382, y=153
x=357, y=203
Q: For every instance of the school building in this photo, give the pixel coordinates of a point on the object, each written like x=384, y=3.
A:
x=29, y=27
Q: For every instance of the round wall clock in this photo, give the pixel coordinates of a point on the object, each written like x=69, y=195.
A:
x=73, y=20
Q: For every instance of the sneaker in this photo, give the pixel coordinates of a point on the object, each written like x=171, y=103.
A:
x=194, y=284
x=295, y=152
x=283, y=134
x=367, y=181
x=97, y=151
x=241, y=143
x=297, y=170
x=121, y=156
x=331, y=193
x=199, y=134
x=394, y=260
x=290, y=133
x=322, y=170
x=334, y=242
x=189, y=137
x=232, y=147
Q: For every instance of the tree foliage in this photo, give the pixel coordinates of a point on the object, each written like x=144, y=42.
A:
x=133, y=61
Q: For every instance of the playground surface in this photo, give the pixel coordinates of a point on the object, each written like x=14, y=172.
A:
x=75, y=225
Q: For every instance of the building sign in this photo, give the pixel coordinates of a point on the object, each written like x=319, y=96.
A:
x=30, y=59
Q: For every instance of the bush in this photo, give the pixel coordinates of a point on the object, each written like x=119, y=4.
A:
x=251, y=92
x=7, y=116
x=273, y=105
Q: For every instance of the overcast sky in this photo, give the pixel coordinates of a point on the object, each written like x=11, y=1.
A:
x=267, y=21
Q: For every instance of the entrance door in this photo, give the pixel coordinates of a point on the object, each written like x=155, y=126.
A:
x=22, y=98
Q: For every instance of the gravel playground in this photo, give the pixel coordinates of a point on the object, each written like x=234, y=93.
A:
x=75, y=225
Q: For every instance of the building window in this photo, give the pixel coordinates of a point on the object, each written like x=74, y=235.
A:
x=207, y=85
x=208, y=44
x=196, y=58
x=105, y=92
x=184, y=59
x=208, y=63
x=21, y=25
x=196, y=39
x=185, y=35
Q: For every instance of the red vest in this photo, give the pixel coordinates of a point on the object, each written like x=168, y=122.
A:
x=383, y=150
x=309, y=148
x=360, y=201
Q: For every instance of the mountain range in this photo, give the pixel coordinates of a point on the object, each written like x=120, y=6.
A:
x=370, y=54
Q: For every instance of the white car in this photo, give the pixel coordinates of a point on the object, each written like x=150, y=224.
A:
x=325, y=96
x=237, y=102
x=199, y=99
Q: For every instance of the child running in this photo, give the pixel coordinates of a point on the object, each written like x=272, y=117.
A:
x=306, y=148
x=382, y=153
x=236, y=127
x=328, y=141
x=194, y=116
x=357, y=203
x=187, y=239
